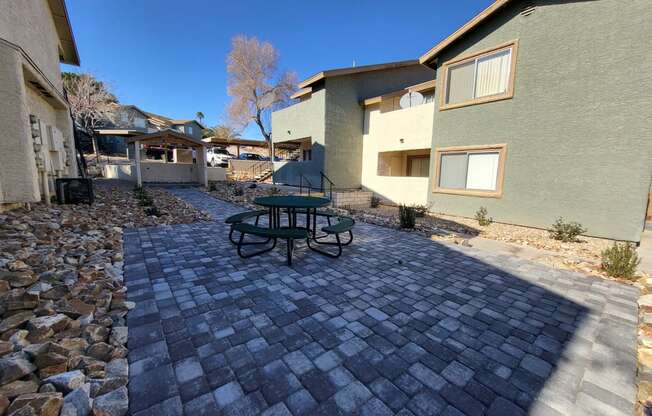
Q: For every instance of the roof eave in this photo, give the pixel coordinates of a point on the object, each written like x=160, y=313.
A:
x=471, y=24
x=64, y=32
x=355, y=70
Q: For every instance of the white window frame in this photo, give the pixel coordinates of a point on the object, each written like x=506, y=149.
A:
x=512, y=46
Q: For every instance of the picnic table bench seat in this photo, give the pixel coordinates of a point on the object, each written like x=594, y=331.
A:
x=241, y=218
x=288, y=234
x=343, y=225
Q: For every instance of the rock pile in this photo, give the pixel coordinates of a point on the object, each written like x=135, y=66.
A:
x=63, y=308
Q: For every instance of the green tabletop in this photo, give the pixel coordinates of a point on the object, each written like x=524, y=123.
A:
x=292, y=201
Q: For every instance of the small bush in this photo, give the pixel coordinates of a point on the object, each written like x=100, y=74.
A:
x=420, y=210
x=212, y=187
x=407, y=216
x=566, y=231
x=273, y=191
x=152, y=211
x=375, y=201
x=483, y=219
x=238, y=191
x=620, y=260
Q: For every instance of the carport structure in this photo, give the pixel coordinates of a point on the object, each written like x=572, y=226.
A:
x=170, y=139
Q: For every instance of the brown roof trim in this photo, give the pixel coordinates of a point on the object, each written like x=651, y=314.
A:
x=479, y=18
x=301, y=92
x=355, y=70
x=64, y=32
x=424, y=86
x=166, y=134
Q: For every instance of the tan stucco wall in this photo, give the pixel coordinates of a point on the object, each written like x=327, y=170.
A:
x=29, y=24
x=382, y=133
x=29, y=52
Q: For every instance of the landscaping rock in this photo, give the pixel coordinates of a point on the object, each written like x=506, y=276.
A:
x=4, y=404
x=15, y=321
x=19, y=387
x=54, y=323
x=115, y=403
x=76, y=403
x=18, y=279
x=14, y=367
x=117, y=368
x=119, y=335
x=102, y=386
x=66, y=382
x=43, y=404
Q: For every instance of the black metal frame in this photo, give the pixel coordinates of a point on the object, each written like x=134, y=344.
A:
x=250, y=243
x=337, y=243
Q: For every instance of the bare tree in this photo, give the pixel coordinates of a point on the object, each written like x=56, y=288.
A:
x=255, y=84
x=91, y=103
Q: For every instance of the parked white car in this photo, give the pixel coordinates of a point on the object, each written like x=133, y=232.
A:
x=218, y=156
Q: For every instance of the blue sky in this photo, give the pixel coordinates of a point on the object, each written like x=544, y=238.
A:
x=168, y=56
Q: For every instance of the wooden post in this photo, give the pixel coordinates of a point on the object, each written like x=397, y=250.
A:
x=139, y=177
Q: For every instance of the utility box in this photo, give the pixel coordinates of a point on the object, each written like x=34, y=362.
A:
x=75, y=191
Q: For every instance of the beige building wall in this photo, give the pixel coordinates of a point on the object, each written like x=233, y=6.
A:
x=405, y=132
x=30, y=84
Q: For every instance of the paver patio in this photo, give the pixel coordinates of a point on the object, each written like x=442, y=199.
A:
x=398, y=325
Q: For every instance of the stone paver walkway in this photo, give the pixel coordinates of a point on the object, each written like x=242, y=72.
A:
x=398, y=325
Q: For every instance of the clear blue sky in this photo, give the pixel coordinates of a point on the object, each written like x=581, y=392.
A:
x=168, y=56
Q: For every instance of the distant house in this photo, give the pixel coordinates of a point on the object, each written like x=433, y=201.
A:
x=37, y=143
x=532, y=109
x=325, y=126
x=131, y=121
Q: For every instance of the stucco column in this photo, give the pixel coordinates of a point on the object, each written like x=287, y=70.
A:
x=139, y=177
x=201, y=164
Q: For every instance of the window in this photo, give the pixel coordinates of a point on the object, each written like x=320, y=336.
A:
x=189, y=130
x=470, y=170
x=139, y=122
x=483, y=77
x=414, y=163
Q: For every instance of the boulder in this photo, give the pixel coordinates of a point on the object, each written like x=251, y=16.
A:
x=95, y=333
x=18, y=278
x=47, y=388
x=4, y=403
x=115, y=403
x=100, y=351
x=14, y=367
x=6, y=347
x=49, y=358
x=19, y=339
x=15, y=321
x=76, y=403
x=100, y=386
x=119, y=335
x=67, y=382
x=56, y=323
x=117, y=368
x=43, y=404
x=74, y=344
x=19, y=387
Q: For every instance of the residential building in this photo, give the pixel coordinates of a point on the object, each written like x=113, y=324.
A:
x=37, y=144
x=542, y=111
x=131, y=121
x=534, y=110
x=325, y=125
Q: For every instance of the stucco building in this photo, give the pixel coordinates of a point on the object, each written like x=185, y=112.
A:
x=37, y=143
x=532, y=109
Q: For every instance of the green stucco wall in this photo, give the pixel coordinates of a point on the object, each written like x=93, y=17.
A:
x=301, y=120
x=578, y=130
x=345, y=116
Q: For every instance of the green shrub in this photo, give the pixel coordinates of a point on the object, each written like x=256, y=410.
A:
x=620, y=260
x=211, y=186
x=483, y=219
x=566, y=231
x=375, y=201
x=273, y=191
x=407, y=216
x=420, y=210
x=152, y=211
x=238, y=191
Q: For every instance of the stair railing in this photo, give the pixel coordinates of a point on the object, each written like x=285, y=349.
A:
x=330, y=185
x=308, y=184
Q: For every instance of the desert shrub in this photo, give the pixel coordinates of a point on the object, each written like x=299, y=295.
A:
x=238, y=191
x=566, y=231
x=483, y=219
x=211, y=186
x=420, y=210
x=273, y=191
x=151, y=211
x=407, y=216
x=375, y=201
x=620, y=260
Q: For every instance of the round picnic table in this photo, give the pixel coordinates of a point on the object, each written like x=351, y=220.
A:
x=293, y=203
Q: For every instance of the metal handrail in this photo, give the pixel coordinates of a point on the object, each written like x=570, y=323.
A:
x=330, y=184
x=301, y=179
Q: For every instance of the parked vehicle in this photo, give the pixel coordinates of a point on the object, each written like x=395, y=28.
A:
x=251, y=156
x=218, y=156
